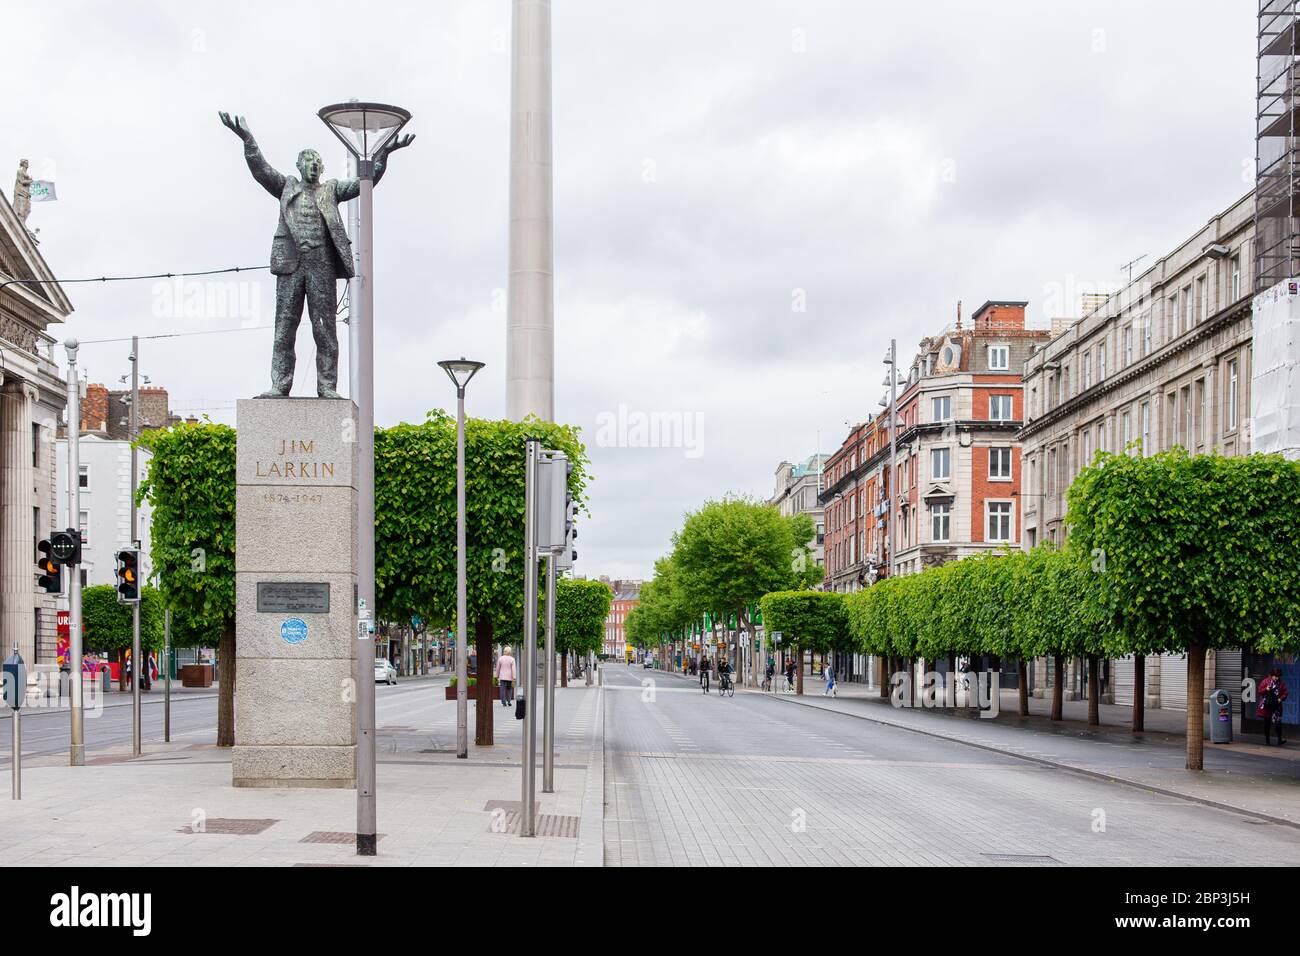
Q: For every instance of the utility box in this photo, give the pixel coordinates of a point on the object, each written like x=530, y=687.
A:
x=1220, y=717
x=14, y=678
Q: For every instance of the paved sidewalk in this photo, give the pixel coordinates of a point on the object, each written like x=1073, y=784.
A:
x=1263, y=782
x=433, y=809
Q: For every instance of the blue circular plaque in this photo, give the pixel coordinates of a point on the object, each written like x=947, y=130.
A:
x=293, y=630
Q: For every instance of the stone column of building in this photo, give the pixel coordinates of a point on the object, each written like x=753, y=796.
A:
x=17, y=558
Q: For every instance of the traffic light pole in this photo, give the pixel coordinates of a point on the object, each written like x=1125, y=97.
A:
x=77, y=736
x=167, y=675
x=528, y=679
x=548, y=718
x=137, y=669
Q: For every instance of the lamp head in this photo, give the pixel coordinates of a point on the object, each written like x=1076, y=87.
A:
x=460, y=371
x=364, y=128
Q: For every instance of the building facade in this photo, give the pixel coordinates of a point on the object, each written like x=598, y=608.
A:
x=32, y=400
x=956, y=486
x=954, y=490
x=797, y=490
x=105, y=479
x=627, y=594
x=1164, y=362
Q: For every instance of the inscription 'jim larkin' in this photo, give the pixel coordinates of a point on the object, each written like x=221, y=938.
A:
x=294, y=462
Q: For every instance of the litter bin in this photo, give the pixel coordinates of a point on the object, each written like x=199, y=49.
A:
x=1220, y=705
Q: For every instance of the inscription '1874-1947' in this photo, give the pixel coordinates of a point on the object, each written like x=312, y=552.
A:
x=295, y=461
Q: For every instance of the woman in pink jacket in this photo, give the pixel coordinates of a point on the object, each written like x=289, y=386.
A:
x=506, y=676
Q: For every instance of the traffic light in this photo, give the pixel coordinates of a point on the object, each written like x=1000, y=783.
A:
x=49, y=568
x=568, y=555
x=65, y=546
x=128, y=576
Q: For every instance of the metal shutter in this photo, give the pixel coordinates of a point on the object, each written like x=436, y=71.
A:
x=1121, y=680
x=1227, y=675
x=1173, y=682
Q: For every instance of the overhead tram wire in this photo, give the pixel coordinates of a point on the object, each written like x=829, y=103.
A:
x=342, y=304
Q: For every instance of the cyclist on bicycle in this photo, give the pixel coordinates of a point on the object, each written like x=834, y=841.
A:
x=724, y=675
x=704, y=674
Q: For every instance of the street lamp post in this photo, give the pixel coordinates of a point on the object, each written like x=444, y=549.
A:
x=77, y=738
x=365, y=129
x=460, y=371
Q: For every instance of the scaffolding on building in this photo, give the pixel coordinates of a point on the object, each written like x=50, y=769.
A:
x=1277, y=145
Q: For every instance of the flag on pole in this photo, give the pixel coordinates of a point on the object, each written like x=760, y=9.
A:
x=42, y=190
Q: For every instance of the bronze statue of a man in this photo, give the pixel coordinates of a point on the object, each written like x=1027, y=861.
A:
x=309, y=254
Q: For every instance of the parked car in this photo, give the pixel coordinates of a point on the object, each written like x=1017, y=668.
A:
x=385, y=672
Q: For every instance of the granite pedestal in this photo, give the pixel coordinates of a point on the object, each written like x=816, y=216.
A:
x=295, y=593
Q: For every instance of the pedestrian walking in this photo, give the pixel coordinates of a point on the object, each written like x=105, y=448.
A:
x=506, y=676
x=829, y=673
x=1272, y=693
x=789, y=674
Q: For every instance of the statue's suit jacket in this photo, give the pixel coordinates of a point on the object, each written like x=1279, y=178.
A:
x=331, y=192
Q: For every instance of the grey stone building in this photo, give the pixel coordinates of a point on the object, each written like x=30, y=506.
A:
x=32, y=399
x=796, y=492
x=1164, y=362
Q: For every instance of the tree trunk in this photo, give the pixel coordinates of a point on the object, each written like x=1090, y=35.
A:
x=484, y=712
x=226, y=688
x=564, y=668
x=1024, y=687
x=1058, y=686
x=1195, y=705
x=1094, y=692
x=798, y=670
x=1139, y=693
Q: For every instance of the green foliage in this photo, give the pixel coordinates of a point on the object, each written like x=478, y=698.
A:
x=812, y=620
x=581, y=608
x=1010, y=605
x=190, y=486
x=1196, y=550
x=108, y=623
x=415, y=516
x=662, y=609
x=732, y=552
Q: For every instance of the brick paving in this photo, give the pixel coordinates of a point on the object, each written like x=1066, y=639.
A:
x=697, y=780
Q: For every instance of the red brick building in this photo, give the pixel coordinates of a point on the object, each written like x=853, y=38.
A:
x=957, y=484
x=627, y=594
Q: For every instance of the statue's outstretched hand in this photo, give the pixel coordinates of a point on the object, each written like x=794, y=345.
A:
x=238, y=125
x=400, y=143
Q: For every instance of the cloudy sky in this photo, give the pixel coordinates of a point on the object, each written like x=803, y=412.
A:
x=751, y=196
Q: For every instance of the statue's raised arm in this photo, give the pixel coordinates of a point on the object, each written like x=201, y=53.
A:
x=272, y=180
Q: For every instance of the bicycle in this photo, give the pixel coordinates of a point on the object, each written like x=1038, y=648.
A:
x=725, y=687
x=704, y=681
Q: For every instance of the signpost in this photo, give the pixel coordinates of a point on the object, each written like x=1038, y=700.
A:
x=15, y=687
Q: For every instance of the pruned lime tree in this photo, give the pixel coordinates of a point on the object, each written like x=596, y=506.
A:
x=581, y=608
x=1193, y=552
x=415, y=527
x=1057, y=615
x=661, y=614
x=190, y=487
x=107, y=623
x=731, y=552
x=814, y=621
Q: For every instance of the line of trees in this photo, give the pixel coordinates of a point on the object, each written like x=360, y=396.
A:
x=726, y=556
x=191, y=488
x=1170, y=553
